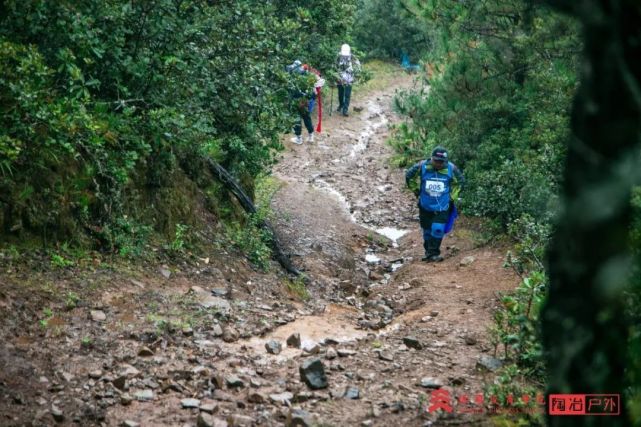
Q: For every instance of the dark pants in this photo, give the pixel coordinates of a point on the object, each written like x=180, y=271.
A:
x=344, y=95
x=431, y=244
x=306, y=117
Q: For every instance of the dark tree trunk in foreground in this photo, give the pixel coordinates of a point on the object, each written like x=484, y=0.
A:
x=247, y=204
x=584, y=327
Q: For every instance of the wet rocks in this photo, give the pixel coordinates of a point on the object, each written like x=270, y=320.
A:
x=233, y=381
x=281, y=398
x=352, y=393
x=57, y=414
x=311, y=347
x=220, y=292
x=273, y=347
x=412, y=342
x=432, y=383
x=488, y=363
x=312, y=372
x=240, y=421
x=145, y=352
x=299, y=418
x=126, y=399
x=208, y=407
x=166, y=273
x=294, y=340
x=95, y=374
x=190, y=403
x=98, y=315
x=217, y=304
x=207, y=420
x=144, y=395
x=386, y=355
x=216, y=330
x=467, y=261
x=374, y=276
x=257, y=397
x=470, y=340
x=343, y=352
x=230, y=334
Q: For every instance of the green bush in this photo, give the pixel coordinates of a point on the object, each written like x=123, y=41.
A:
x=106, y=104
x=398, y=30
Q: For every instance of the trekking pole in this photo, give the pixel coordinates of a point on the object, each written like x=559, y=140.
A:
x=331, y=101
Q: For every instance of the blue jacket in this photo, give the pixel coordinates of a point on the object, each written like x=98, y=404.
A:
x=438, y=187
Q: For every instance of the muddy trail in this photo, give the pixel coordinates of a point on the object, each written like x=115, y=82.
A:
x=209, y=341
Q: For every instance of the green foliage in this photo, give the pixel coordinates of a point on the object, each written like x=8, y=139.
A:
x=48, y=314
x=252, y=240
x=398, y=30
x=491, y=65
x=86, y=342
x=516, y=324
x=59, y=261
x=633, y=312
x=511, y=385
x=71, y=300
x=105, y=104
x=126, y=236
x=531, y=239
x=178, y=244
x=297, y=287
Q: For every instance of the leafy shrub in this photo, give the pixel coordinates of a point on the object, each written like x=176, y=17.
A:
x=398, y=30
x=105, y=101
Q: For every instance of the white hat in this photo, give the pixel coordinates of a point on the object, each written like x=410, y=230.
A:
x=345, y=50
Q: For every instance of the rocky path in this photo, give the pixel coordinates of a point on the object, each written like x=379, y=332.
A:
x=423, y=326
x=209, y=341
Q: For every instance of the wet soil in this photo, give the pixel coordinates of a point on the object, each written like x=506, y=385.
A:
x=119, y=344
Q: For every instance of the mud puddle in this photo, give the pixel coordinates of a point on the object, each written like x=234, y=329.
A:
x=336, y=324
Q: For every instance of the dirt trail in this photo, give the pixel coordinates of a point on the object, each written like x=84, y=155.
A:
x=341, y=191
x=184, y=344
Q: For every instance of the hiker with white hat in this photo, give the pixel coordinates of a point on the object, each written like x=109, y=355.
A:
x=347, y=66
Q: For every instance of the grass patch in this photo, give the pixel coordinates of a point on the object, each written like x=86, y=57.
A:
x=297, y=287
x=382, y=75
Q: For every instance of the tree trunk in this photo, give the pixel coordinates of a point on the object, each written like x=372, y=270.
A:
x=585, y=331
x=249, y=207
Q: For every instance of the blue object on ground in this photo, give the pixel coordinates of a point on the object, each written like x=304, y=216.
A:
x=407, y=65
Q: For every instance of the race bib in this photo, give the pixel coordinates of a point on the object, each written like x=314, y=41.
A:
x=434, y=188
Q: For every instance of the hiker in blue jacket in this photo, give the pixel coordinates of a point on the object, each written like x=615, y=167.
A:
x=441, y=182
x=302, y=98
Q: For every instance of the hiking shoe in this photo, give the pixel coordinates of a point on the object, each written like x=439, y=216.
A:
x=432, y=258
x=345, y=112
x=310, y=138
x=297, y=140
x=339, y=109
